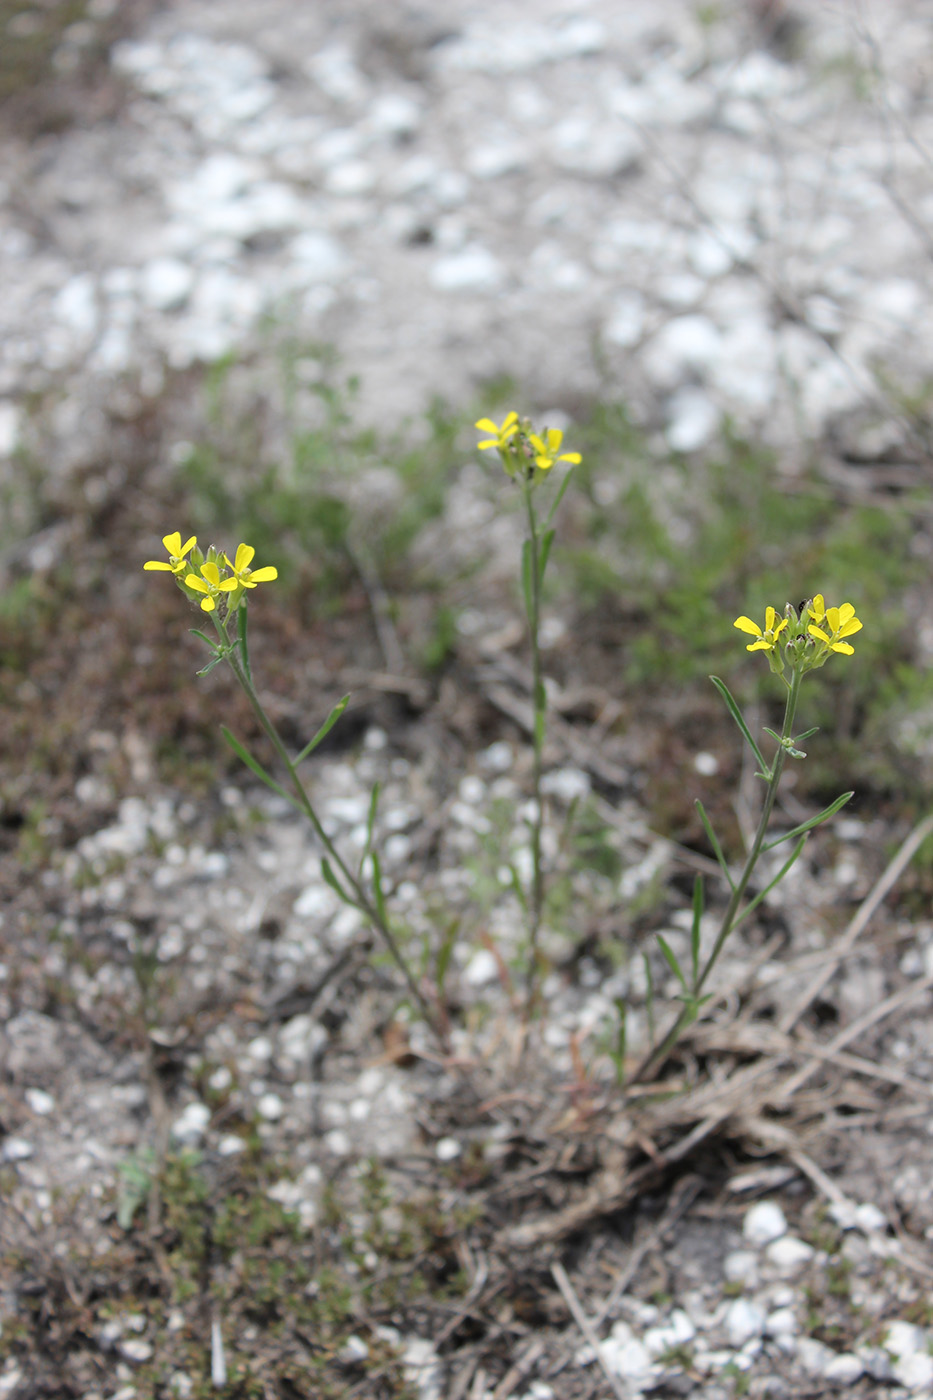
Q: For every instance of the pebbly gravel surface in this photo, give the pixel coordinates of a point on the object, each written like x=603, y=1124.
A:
x=720, y=219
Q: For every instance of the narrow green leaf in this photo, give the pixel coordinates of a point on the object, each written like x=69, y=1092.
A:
x=808, y=825
x=254, y=765
x=206, y=670
x=241, y=636
x=695, y=927
x=546, y=541
x=621, y=1046
x=378, y=891
x=517, y=888
x=560, y=495
x=807, y=734
x=737, y=715
x=325, y=728
x=445, y=953
x=331, y=879
x=526, y=579
x=754, y=903
x=649, y=1000
x=371, y=821
x=196, y=632
x=671, y=961
x=714, y=842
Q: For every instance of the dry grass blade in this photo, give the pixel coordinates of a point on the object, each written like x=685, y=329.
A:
x=859, y=923
x=586, y=1327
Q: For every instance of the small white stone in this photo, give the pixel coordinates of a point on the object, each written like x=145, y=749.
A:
x=270, y=1107
x=135, y=1349
x=814, y=1356
x=569, y=784
x=231, y=1145
x=498, y=758
x=626, y=1355
x=353, y=1350
x=473, y=269
x=15, y=1149
x=741, y=1266
x=191, y=1124
x=394, y=114
x=869, y=1218
x=677, y=1331
x=763, y=1223
x=788, y=1254
x=626, y=320
x=338, y=1142
x=260, y=1049
x=220, y=1080
x=706, y=764
x=743, y=1321
x=166, y=283
x=447, y=1149
x=9, y=428
x=908, y=1347
x=844, y=1369
x=693, y=419
x=40, y=1102
x=316, y=257
x=781, y=1323
x=481, y=969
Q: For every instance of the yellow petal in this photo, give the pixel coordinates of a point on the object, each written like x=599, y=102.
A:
x=211, y=572
x=554, y=439
x=158, y=564
x=207, y=604
x=770, y=615
x=573, y=457
x=244, y=554
x=818, y=608
x=196, y=583
x=844, y=648
x=815, y=632
x=760, y=645
x=776, y=632
x=173, y=543
x=845, y=612
x=745, y=624
x=265, y=574
x=847, y=628
x=487, y=425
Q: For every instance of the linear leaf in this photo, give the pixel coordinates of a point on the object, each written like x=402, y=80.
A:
x=714, y=842
x=808, y=825
x=546, y=542
x=241, y=637
x=754, y=903
x=526, y=579
x=378, y=891
x=331, y=879
x=670, y=959
x=253, y=764
x=737, y=715
x=695, y=927
x=560, y=495
x=325, y=728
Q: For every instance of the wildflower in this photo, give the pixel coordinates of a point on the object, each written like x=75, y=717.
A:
x=210, y=584
x=546, y=451
x=841, y=623
x=243, y=574
x=502, y=435
x=177, y=564
x=766, y=640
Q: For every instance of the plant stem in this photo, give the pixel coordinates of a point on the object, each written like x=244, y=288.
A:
x=655, y=1059
x=240, y=667
x=539, y=707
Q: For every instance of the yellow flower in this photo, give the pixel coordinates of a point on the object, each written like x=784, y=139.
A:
x=177, y=564
x=243, y=574
x=501, y=437
x=817, y=609
x=766, y=640
x=211, y=585
x=546, y=452
x=841, y=622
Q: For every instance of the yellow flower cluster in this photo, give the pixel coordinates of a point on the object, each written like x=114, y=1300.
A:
x=807, y=637
x=218, y=576
x=524, y=452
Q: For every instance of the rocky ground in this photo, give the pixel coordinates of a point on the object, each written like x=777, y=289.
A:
x=231, y=1162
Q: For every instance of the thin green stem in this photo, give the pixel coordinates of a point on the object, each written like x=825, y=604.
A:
x=655, y=1059
x=539, y=708
x=360, y=898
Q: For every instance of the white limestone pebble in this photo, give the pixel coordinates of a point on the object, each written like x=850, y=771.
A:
x=135, y=1349
x=788, y=1254
x=909, y=1348
x=270, y=1107
x=844, y=1369
x=743, y=1321
x=40, y=1102
x=627, y=1356
x=165, y=283
x=693, y=419
x=741, y=1266
x=481, y=969
x=678, y=1330
x=763, y=1223
x=191, y=1124
x=472, y=269
x=447, y=1149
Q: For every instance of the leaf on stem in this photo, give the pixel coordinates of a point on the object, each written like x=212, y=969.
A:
x=254, y=765
x=808, y=825
x=331, y=879
x=762, y=894
x=559, y=497
x=714, y=842
x=325, y=728
x=737, y=715
x=695, y=927
x=671, y=960
x=378, y=893
x=241, y=638
x=445, y=953
x=527, y=579
x=649, y=1000
x=370, y=821
x=546, y=541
